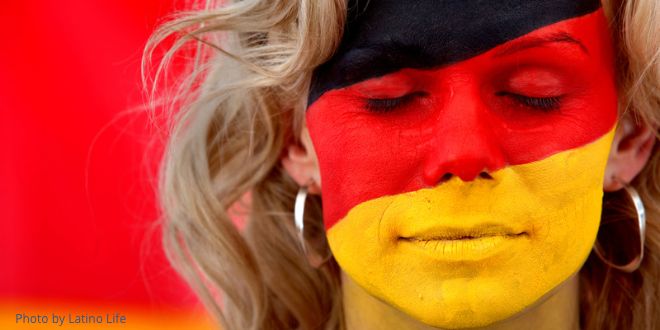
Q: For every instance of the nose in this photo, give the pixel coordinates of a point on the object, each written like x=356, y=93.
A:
x=464, y=143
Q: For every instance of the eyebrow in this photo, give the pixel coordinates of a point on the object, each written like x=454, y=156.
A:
x=531, y=42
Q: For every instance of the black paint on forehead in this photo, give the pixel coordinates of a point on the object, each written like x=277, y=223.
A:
x=384, y=36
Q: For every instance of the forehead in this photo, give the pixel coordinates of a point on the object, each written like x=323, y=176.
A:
x=383, y=36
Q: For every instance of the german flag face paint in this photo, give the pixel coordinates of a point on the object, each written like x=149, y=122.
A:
x=462, y=147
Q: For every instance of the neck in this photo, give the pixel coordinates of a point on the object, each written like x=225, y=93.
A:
x=558, y=310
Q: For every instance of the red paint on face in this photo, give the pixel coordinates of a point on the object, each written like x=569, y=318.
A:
x=520, y=102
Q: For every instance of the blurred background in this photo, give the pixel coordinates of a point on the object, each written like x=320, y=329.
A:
x=78, y=215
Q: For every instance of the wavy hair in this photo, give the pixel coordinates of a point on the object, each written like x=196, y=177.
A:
x=234, y=78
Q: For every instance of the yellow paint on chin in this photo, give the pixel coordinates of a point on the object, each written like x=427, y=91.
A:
x=530, y=228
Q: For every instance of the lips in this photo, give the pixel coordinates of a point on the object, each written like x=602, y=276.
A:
x=463, y=246
x=458, y=234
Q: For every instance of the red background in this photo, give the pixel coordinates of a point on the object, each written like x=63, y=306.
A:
x=77, y=204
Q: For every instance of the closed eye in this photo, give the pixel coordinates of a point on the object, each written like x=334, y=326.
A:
x=380, y=105
x=546, y=104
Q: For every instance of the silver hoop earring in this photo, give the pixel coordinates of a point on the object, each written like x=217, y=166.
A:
x=315, y=257
x=298, y=215
x=641, y=223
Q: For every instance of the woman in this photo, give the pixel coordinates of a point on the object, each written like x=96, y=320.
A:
x=460, y=149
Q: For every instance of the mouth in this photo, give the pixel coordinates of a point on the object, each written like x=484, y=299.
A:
x=459, y=237
x=459, y=244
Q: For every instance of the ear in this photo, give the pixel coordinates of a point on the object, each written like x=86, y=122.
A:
x=631, y=149
x=300, y=162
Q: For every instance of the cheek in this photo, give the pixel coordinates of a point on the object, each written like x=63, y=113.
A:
x=360, y=157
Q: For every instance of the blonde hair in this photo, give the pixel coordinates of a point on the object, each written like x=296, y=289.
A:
x=243, y=99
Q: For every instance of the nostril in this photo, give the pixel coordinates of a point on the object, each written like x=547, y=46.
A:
x=485, y=175
x=446, y=177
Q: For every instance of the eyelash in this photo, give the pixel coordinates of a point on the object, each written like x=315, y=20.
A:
x=389, y=104
x=541, y=103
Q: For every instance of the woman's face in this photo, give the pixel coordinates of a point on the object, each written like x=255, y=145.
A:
x=462, y=148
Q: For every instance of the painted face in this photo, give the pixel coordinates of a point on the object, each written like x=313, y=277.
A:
x=462, y=148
